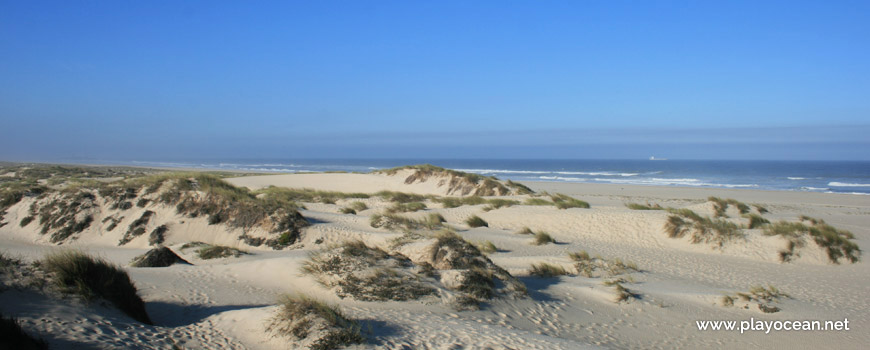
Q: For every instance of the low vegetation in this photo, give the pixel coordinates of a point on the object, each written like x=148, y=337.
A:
x=314, y=324
x=476, y=221
x=13, y=337
x=537, y=201
x=369, y=274
x=525, y=231
x=358, y=206
x=684, y=222
x=395, y=222
x=647, y=206
x=542, y=238
x=494, y=204
x=836, y=243
x=158, y=257
x=762, y=297
x=94, y=278
x=562, y=201
x=406, y=207
x=209, y=252
x=487, y=247
x=594, y=267
x=459, y=182
x=756, y=221
x=720, y=206
x=623, y=294
x=547, y=270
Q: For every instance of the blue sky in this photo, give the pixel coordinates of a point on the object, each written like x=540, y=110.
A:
x=552, y=79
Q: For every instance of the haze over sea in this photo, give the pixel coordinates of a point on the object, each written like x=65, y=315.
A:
x=850, y=177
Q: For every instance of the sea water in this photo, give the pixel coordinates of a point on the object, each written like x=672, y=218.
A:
x=849, y=177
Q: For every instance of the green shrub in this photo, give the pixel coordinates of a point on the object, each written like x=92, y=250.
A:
x=92, y=278
x=476, y=221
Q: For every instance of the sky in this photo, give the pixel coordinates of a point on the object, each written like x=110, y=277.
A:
x=163, y=80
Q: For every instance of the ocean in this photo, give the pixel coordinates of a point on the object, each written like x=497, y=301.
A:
x=812, y=176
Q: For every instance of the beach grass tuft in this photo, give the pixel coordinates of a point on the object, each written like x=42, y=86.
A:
x=92, y=278
x=476, y=221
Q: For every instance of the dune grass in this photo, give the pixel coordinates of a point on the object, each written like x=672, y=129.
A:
x=836, y=243
x=395, y=222
x=300, y=316
x=455, y=202
x=720, y=206
x=525, y=231
x=347, y=210
x=13, y=337
x=93, y=278
x=358, y=206
x=764, y=297
x=542, y=238
x=756, y=221
x=537, y=201
x=562, y=201
x=468, y=183
x=547, y=270
x=406, y=207
x=682, y=222
x=486, y=247
x=623, y=294
x=648, y=206
x=476, y=221
x=217, y=251
x=592, y=267
x=494, y=204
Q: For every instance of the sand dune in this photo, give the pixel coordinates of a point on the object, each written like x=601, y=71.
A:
x=228, y=302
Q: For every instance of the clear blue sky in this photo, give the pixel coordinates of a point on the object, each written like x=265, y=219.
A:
x=551, y=79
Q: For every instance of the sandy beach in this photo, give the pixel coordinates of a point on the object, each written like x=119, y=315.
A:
x=227, y=303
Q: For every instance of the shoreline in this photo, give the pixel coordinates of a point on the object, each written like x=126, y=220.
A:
x=583, y=187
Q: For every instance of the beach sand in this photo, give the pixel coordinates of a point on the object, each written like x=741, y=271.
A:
x=226, y=303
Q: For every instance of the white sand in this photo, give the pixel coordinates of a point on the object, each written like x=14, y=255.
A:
x=225, y=304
